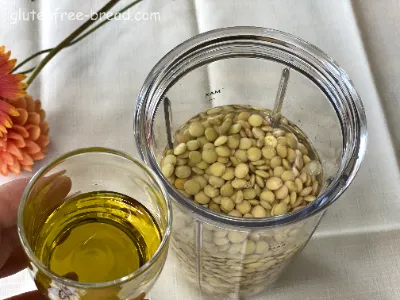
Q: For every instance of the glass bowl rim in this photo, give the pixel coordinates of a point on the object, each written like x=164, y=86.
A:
x=71, y=283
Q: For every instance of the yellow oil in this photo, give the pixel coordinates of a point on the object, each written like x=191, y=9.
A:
x=98, y=237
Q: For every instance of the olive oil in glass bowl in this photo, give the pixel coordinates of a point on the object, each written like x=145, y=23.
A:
x=95, y=224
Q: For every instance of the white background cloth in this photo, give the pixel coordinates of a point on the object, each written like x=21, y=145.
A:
x=89, y=93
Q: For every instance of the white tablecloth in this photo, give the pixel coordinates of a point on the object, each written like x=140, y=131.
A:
x=89, y=92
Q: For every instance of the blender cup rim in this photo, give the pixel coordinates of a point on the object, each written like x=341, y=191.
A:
x=308, y=55
x=76, y=284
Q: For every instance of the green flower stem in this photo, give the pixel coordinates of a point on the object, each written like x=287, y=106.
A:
x=27, y=71
x=76, y=40
x=29, y=59
x=68, y=40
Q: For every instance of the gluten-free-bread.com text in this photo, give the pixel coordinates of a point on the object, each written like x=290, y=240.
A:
x=55, y=15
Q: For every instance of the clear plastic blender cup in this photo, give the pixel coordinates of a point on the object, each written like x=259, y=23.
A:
x=231, y=256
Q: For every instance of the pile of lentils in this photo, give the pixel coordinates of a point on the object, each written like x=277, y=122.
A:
x=233, y=162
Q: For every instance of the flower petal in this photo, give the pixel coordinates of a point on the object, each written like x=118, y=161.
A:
x=27, y=168
x=7, y=158
x=11, y=86
x=20, y=143
x=32, y=147
x=14, y=150
x=43, y=141
x=30, y=104
x=44, y=127
x=14, y=136
x=22, y=118
x=6, y=65
x=3, y=168
x=19, y=102
x=15, y=168
x=38, y=106
x=37, y=156
x=42, y=114
x=3, y=128
x=34, y=131
x=27, y=160
x=33, y=118
x=8, y=108
x=21, y=131
x=18, y=140
x=5, y=120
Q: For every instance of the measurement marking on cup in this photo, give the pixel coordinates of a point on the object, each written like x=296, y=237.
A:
x=212, y=93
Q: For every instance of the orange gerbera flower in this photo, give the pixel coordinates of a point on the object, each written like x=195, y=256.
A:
x=6, y=111
x=27, y=139
x=11, y=85
x=23, y=131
